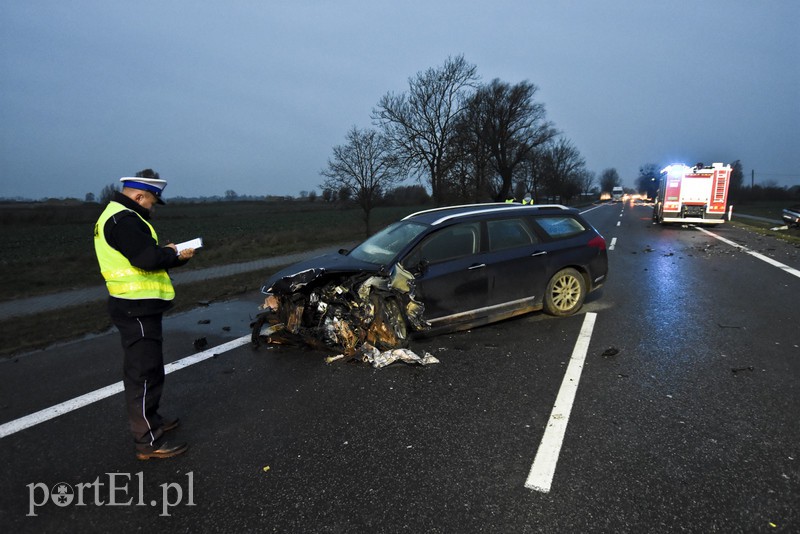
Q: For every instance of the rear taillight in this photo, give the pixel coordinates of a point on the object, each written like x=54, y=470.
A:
x=597, y=242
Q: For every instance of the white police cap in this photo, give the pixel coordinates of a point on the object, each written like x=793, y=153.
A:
x=154, y=185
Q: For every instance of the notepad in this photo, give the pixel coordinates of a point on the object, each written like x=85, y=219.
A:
x=197, y=242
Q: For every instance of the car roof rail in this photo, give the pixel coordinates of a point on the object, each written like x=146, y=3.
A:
x=551, y=206
x=502, y=206
x=443, y=208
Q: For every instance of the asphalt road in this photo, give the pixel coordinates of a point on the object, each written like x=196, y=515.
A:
x=685, y=416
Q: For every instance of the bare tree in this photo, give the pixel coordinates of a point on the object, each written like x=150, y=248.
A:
x=470, y=174
x=586, y=180
x=107, y=193
x=364, y=165
x=531, y=176
x=609, y=179
x=648, y=179
x=563, y=168
x=420, y=124
x=737, y=179
x=512, y=125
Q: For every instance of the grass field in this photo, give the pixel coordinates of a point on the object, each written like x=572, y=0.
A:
x=768, y=209
x=49, y=248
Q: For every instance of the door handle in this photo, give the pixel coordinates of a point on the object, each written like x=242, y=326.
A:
x=476, y=266
x=539, y=253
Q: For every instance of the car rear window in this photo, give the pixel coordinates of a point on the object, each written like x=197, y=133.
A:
x=509, y=233
x=559, y=227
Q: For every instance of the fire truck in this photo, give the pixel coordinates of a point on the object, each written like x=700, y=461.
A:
x=696, y=194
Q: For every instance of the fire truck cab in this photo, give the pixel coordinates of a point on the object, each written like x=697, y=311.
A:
x=696, y=194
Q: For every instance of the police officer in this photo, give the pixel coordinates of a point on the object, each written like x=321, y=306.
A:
x=135, y=267
x=527, y=199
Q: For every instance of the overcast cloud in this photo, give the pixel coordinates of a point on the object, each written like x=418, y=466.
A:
x=252, y=96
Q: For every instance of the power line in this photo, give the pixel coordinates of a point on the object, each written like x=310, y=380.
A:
x=776, y=173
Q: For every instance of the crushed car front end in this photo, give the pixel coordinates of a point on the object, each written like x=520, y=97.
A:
x=339, y=304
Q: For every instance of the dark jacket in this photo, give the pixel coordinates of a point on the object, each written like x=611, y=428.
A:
x=130, y=235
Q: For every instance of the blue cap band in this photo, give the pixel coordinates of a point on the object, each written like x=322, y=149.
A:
x=141, y=185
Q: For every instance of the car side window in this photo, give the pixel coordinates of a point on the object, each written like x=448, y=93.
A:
x=509, y=233
x=448, y=243
x=559, y=226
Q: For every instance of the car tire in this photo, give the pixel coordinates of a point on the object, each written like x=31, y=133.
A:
x=565, y=293
x=389, y=318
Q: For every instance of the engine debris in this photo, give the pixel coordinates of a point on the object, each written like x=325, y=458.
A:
x=346, y=314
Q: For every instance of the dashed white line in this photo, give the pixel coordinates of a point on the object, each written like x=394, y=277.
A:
x=613, y=243
x=41, y=416
x=619, y=222
x=774, y=263
x=540, y=477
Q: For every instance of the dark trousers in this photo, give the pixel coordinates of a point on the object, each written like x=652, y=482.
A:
x=143, y=374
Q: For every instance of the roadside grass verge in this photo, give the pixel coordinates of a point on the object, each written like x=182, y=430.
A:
x=791, y=235
x=770, y=210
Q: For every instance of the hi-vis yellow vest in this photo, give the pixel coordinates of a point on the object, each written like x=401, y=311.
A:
x=123, y=280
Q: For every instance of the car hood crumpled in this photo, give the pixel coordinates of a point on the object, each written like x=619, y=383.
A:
x=333, y=302
x=290, y=279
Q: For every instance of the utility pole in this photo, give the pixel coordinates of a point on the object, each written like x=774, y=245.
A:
x=752, y=178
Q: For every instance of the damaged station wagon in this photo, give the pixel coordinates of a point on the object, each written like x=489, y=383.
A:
x=437, y=270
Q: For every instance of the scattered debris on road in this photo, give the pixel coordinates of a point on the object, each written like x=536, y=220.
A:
x=378, y=359
x=200, y=343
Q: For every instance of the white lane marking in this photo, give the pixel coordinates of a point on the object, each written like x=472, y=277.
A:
x=540, y=477
x=594, y=208
x=774, y=263
x=619, y=222
x=613, y=243
x=41, y=416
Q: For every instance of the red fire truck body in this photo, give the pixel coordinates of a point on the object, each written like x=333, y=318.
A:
x=696, y=194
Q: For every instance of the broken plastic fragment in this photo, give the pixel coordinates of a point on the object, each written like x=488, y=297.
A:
x=380, y=359
x=401, y=279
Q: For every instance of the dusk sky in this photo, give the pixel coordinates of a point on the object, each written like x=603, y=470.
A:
x=252, y=96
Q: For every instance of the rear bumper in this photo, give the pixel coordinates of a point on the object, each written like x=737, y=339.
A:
x=696, y=220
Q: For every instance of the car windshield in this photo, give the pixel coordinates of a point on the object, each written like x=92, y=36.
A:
x=383, y=247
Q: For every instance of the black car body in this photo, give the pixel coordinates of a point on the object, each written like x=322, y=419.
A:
x=440, y=269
